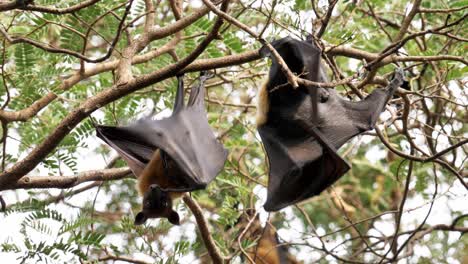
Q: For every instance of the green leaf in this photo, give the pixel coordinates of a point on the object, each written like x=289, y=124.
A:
x=301, y=4
x=25, y=58
x=233, y=43
x=203, y=24
x=457, y=3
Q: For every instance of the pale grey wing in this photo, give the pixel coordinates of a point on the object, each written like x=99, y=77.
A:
x=187, y=138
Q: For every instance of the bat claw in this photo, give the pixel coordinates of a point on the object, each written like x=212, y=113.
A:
x=398, y=79
x=399, y=73
x=206, y=75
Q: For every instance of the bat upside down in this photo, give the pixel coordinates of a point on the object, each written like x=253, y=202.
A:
x=302, y=129
x=169, y=156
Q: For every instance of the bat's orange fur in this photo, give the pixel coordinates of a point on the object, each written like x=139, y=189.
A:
x=267, y=251
x=154, y=174
x=263, y=105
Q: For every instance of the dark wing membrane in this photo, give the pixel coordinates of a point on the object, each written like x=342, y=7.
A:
x=194, y=146
x=304, y=164
x=187, y=138
x=126, y=141
x=298, y=170
x=365, y=113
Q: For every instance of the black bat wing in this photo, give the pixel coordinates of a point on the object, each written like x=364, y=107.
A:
x=301, y=149
x=126, y=141
x=185, y=136
x=298, y=169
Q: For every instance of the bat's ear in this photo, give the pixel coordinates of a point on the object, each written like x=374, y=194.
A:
x=174, y=218
x=140, y=218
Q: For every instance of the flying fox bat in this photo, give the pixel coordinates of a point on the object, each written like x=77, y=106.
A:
x=302, y=129
x=268, y=248
x=169, y=156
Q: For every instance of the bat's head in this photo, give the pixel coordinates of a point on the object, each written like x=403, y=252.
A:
x=298, y=55
x=157, y=203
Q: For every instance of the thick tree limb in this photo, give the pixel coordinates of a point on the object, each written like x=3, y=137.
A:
x=62, y=182
x=44, y=9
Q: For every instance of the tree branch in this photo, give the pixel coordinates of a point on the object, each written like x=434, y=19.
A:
x=204, y=230
x=63, y=182
x=44, y=9
x=52, y=49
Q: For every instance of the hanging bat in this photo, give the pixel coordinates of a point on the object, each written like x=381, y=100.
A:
x=302, y=129
x=267, y=249
x=169, y=156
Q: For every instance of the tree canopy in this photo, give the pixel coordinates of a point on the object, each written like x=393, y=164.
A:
x=68, y=197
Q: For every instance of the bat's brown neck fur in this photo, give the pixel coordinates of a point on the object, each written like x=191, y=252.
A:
x=267, y=251
x=263, y=105
x=154, y=173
